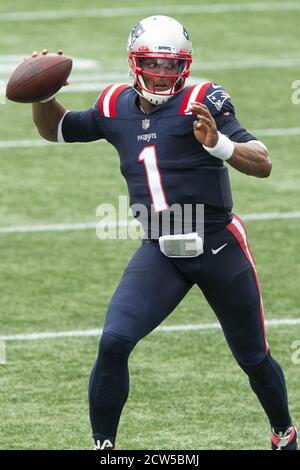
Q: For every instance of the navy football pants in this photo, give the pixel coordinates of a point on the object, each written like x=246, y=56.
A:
x=152, y=286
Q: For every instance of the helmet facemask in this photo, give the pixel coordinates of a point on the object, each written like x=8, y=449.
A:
x=157, y=76
x=160, y=55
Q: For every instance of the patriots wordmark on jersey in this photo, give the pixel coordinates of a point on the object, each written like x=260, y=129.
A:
x=160, y=158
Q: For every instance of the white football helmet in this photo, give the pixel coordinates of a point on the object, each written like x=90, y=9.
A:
x=160, y=55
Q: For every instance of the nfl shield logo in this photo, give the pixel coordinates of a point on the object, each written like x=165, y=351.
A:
x=145, y=124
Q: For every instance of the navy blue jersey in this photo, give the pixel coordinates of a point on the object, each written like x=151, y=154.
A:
x=160, y=158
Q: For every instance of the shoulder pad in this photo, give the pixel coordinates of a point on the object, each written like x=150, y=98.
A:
x=107, y=101
x=194, y=93
x=217, y=99
x=211, y=94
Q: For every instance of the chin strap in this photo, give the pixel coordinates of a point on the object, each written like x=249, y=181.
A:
x=156, y=99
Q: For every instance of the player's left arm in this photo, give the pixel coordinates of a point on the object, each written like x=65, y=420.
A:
x=251, y=158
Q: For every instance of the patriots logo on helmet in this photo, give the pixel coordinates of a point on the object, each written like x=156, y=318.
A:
x=137, y=30
x=186, y=34
x=218, y=97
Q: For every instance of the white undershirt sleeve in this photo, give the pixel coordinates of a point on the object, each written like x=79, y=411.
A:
x=60, y=137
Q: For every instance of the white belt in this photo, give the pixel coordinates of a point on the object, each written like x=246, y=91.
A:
x=186, y=245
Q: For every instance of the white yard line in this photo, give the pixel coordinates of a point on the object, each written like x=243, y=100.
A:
x=251, y=7
x=272, y=216
x=53, y=227
x=97, y=80
x=280, y=132
x=246, y=64
x=97, y=332
x=6, y=144
x=29, y=143
x=8, y=63
x=124, y=223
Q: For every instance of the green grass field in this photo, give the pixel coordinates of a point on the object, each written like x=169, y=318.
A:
x=186, y=390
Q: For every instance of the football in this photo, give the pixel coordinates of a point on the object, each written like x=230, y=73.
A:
x=38, y=78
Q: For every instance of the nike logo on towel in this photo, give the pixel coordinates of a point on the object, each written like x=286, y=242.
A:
x=214, y=252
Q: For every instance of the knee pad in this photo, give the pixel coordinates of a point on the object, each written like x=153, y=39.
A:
x=113, y=349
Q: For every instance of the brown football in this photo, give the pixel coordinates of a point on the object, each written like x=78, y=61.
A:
x=38, y=78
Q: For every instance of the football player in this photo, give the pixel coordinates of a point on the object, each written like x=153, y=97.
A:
x=175, y=142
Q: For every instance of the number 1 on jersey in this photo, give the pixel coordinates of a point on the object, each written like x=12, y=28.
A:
x=149, y=157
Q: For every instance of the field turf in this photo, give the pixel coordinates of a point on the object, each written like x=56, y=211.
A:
x=186, y=390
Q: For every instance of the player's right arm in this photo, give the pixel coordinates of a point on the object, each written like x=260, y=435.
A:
x=47, y=117
x=56, y=124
